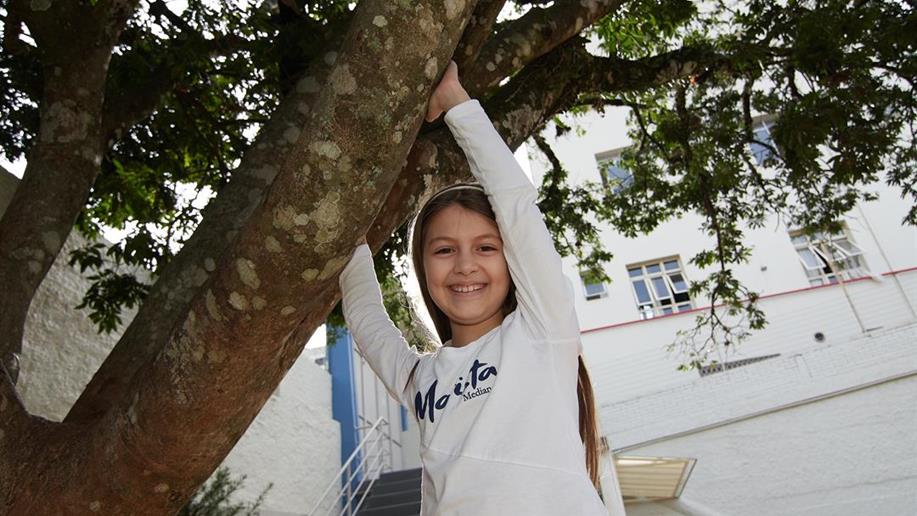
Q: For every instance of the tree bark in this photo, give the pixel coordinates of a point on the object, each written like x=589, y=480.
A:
x=531, y=36
x=478, y=32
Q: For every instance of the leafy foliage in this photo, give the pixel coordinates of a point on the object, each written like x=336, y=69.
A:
x=566, y=210
x=213, y=498
x=110, y=289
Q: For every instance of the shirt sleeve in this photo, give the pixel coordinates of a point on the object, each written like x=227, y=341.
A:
x=377, y=338
x=544, y=294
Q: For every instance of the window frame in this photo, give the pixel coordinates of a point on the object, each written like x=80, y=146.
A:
x=593, y=296
x=613, y=157
x=847, y=263
x=655, y=306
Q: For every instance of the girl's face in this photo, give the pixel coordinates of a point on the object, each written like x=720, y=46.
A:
x=466, y=271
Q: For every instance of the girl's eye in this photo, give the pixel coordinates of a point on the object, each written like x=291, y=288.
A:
x=443, y=250
x=488, y=248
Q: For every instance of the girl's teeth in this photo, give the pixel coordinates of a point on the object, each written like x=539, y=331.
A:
x=467, y=289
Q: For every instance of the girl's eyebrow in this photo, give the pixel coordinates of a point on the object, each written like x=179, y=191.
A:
x=485, y=236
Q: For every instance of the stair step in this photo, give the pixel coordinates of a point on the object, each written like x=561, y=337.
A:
x=404, y=509
x=401, y=474
x=382, y=486
x=397, y=498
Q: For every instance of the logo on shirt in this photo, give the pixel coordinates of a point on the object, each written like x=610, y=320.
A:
x=428, y=404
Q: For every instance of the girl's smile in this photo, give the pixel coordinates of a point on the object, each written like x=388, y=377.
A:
x=466, y=272
x=467, y=289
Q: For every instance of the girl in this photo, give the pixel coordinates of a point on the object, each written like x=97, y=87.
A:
x=504, y=406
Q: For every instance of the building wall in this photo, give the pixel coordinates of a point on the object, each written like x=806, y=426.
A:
x=791, y=379
x=293, y=442
x=627, y=355
x=773, y=267
x=851, y=454
x=630, y=360
x=61, y=349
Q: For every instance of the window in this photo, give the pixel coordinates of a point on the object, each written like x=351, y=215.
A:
x=613, y=175
x=819, y=252
x=592, y=290
x=660, y=288
x=762, y=133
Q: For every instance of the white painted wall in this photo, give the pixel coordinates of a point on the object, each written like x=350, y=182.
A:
x=795, y=377
x=293, y=442
x=852, y=454
x=629, y=360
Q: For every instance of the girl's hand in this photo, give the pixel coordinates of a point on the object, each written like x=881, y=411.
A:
x=447, y=94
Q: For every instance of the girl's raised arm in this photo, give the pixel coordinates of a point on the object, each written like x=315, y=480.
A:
x=378, y=340
x=544, y=294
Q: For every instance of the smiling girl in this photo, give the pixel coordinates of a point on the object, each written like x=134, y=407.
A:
x=505, y=406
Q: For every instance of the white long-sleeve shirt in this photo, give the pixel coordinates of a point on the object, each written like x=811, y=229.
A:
x=499, y=417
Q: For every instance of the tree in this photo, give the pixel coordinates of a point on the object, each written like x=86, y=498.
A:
x=117, y=102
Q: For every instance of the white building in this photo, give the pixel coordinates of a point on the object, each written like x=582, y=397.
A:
x=815, y=414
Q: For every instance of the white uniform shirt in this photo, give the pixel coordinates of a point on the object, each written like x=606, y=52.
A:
x=499, y=417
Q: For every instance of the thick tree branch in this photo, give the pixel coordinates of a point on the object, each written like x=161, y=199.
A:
x=534, y=34
x=614, y=75
x=64, y=160
x=180, y=279
x=543, y=89
x=478, y=32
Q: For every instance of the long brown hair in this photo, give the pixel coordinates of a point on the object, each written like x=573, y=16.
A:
x=472, y=197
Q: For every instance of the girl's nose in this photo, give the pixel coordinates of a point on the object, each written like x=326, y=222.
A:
x=465, y=263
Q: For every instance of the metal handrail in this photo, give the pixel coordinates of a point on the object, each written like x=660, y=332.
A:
x=369, y=425
x=365, y=491
x=374, y=434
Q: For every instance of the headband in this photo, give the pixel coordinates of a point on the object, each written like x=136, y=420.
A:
x=459, y=186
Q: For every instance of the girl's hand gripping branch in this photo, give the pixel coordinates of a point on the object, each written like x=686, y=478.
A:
x=448, y=93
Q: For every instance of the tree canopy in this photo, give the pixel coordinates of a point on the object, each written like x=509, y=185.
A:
x=304, y=119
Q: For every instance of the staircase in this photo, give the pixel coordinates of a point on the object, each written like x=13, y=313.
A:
x=394, y=494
